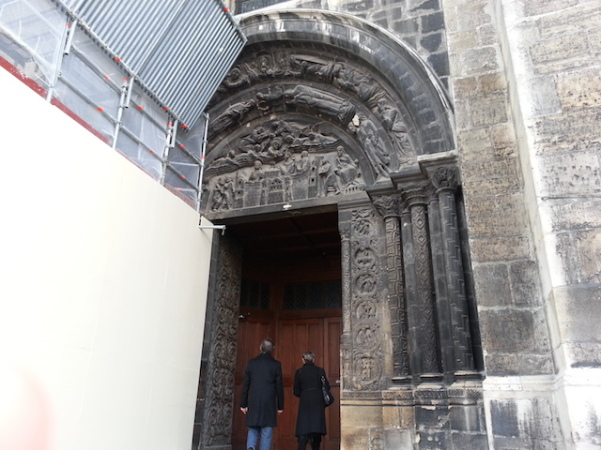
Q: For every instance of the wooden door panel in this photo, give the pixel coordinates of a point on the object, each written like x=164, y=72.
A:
x=251, y=331
x=295, y=337
x=292, y=339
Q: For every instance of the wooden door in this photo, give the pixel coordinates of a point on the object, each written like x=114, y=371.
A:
x=292, y=337
x=321, y=336
x=251, y=331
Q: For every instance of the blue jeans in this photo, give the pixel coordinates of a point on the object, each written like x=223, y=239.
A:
x=253, y=436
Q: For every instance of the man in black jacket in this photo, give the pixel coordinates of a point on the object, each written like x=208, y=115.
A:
x=262, y=396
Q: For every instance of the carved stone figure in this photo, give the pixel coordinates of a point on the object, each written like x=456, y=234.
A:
x=363, y=86
x=223, y=194
x=367, y=133
x=303, y=165
x=345, y=168
x=236, y=79
x=233, y=114
x=321, y=101
x=309, y=66
x=329, y=181
x=395, y=126
x=257, y=173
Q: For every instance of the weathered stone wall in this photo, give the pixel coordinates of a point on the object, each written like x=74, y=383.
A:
x=552, y=49
x=522, y=409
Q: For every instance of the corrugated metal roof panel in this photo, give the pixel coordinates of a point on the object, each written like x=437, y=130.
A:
x=178, y=50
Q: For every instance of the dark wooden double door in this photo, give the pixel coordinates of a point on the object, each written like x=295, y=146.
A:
x=293, y=333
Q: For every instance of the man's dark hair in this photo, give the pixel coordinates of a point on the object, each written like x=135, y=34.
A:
x=267, y=346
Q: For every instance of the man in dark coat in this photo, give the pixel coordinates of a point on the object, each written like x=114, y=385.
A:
x=311, y=420
x=262, y=396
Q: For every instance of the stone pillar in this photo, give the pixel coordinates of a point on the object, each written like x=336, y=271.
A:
x=365, y=346
x=452, y=308
x=367, y=299
x=388, y=207
x=345, y=339
x=422, y=333
x=216, y=395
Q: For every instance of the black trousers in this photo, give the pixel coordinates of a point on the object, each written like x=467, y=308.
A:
x=313, y=438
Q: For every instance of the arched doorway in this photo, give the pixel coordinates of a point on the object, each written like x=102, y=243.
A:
x=324, y=112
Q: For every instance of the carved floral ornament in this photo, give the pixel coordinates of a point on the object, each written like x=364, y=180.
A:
x=287, y=126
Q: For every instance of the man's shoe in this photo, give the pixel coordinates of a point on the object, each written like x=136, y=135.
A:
x=251, y=448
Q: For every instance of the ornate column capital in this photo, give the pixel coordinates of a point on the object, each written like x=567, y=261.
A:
x=444, y=178
x=387, y=206
x=417, y=195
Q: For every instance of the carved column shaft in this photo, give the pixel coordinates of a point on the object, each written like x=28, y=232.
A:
x=449, y=276
x=345, y=341
x=423, y=339
x=457, y=301
x=389, y=209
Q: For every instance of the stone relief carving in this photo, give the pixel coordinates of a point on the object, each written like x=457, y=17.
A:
x=388, y=207
x=375, y=149
x=222, y=359
x=444, y=177
x=332, y=90
x=395, y=126
x=232, y=115
x=367, y=336
x=281, y=161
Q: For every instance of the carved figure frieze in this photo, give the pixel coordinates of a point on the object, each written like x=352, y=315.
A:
x=281, y=161
x=307, y=97
x=232, y=115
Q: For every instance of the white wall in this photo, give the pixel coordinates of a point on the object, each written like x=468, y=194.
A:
x=103, y=279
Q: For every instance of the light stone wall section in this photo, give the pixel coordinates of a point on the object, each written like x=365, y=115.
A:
x=521, y=403
x=553, y=49
x=527, y=108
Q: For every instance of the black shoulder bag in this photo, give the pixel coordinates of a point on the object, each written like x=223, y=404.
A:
x=328, y=398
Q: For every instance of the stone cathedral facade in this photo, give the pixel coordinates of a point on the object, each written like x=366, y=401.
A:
x=459, y=142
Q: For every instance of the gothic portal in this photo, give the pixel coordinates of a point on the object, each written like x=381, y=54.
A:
x=327, y=112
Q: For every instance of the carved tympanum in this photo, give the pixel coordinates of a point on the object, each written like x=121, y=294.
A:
x=288, y=126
